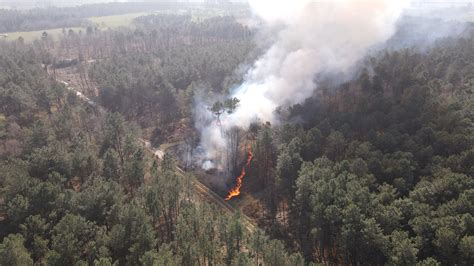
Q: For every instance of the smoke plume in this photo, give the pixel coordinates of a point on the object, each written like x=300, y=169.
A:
x=314, y=37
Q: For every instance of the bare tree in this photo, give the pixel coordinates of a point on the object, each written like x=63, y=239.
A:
x=233, y=137
x=190, y=141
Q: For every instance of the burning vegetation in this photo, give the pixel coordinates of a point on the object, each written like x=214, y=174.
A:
x=353, y=120
x=235, y=191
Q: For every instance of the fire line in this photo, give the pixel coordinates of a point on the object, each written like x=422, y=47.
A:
x=235, y=191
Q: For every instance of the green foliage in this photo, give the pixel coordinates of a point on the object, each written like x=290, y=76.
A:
x=273, y=254
x=17, y=208
x=134, y=169
x=103, y=262
x=229, y=106
x=164, y=256
x=218, y=109
x=466, y=246
x=73, y=181
x=48, y=159
x=98, y=199
x=394, y=180
x=132, y=234
x=13, y=252
x=111, y=167
x=152, y=82
x=288, y=164
x=378, y=170
x=84, y=161
x=74, y=238
x=403, y=249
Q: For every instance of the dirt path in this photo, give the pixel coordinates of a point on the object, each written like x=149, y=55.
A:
x=210, y=195
x=202, y=190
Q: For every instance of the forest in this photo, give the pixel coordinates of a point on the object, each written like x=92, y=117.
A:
x=383, y=173
x=375, y=168
x=12, y=20
x=79, y=189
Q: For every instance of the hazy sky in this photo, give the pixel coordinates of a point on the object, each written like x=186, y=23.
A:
x=45, y=3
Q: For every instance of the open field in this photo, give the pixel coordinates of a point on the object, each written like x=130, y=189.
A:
x=117, y=20
x=102, y=23
x=30, y=36
x=125, y=20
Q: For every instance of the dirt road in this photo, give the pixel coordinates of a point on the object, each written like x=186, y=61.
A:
x=202, y=190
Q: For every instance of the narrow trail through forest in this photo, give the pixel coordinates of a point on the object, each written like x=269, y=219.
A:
x=202, y=190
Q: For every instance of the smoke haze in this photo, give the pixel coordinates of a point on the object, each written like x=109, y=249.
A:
x=314, y=37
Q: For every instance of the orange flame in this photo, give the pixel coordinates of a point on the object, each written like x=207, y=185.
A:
x=235, y=191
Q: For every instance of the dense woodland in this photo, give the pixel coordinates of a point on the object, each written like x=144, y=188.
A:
x=380, y=170
x=376, y=170
x=152, y=74
x=79, y=189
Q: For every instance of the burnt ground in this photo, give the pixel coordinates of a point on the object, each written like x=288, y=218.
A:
x=250, y=199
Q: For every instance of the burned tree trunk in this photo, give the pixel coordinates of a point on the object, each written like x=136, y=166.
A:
x=233, y=137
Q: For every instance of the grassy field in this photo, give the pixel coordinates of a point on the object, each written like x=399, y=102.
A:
x=117, y=21
x=30, y=36
x=103, y=23
x=126, y=20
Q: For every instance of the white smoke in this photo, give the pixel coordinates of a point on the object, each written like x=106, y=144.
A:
x=314, y=37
